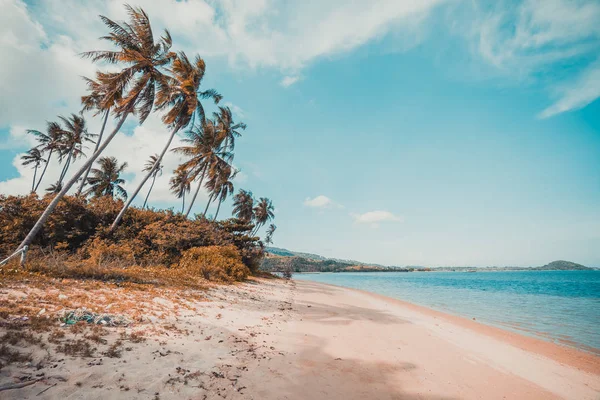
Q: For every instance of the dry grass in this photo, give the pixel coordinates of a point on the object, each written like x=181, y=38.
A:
x=76, y=348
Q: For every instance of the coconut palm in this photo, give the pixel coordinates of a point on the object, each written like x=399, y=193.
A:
x=243, y=206
x=54, y=188
x=33, y=156
x=142, y=59
x=180, y=184
x=101, y=101
x=228, y=127
x=179, y=94
x=149, y=166
x=48, y=142
x=270, y=231
x=263, y=213
x=203, y=150
x=106, y=179
x=74, y=134
x=219, y=184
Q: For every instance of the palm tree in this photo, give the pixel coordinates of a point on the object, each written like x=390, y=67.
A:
x=180, y=94
x=48, y=142
x=204, y=150
x=143, y=60
x=100, y=100
x=219, y=184
x=225, y=189
x=149, y=166
x=243, y=204
x=106, y=180
x=270, y=231
x=180, y=184
x=33, y=156
x=263, y=213
x=73, y=136
x=228, y=127
x=54, y=188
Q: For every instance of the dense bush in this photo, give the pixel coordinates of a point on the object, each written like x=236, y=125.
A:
x=215, y=263
x=79, y=227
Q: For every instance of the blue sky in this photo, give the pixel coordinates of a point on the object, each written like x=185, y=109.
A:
x=402, y=133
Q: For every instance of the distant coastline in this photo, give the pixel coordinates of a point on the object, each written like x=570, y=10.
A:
x=278, y=260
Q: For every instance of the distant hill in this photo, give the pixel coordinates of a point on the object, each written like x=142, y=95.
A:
x=277, y=258
x=562, y=265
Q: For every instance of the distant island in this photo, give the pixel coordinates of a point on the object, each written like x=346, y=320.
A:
x=278, y=259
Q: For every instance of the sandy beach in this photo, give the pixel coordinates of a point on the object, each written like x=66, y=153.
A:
x=271, y=339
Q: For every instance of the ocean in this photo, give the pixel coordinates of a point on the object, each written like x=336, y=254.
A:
x=559, y=306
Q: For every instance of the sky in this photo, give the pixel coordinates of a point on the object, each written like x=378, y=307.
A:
x=416, y=132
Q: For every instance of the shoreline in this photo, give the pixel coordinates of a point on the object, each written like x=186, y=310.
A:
x=576, y=357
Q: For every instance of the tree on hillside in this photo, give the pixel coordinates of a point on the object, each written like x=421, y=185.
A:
x=33, y=156
x=142, y=59
x=106, y=179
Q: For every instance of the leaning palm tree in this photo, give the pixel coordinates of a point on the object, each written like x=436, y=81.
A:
x=180, y=184
x=74, y=134
x=106, y=179
x=142, y=59
x=179, y=94
x=149, y=166
x=270, y=231
x=225, y=187
x=263, y=213
x=243, y=206
x=220, y=175
x=228, y=127
x=49, y=141
x=33, y=156
x=203, y=150
x=101, y=101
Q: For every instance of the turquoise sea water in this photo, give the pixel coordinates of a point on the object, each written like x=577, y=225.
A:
x=560, y=306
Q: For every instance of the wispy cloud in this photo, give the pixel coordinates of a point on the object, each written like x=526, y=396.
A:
x=537, y=36
x=577, y=94
x=375, y=217
x=289, y=81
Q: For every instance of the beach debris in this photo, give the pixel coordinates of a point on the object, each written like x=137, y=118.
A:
x=71, y=317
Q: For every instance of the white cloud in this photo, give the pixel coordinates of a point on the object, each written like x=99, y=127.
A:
x=374, y=217
x=538, y=36
x=288, y=81
x=319, y=202
x=577, y=94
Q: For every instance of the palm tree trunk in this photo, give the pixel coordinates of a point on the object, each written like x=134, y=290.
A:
x=34, y=174
x=148, y=195
x=44, y=217
x=195, y=194
x=137, y=190
x=95, y=149
x=44, y=170
x=208, y=204
x=66, y=167
x=183, y=202
x=218, y=208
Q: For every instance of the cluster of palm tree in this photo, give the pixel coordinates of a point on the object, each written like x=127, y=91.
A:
x=66, y=139
x=146, y=76
x=248, y=210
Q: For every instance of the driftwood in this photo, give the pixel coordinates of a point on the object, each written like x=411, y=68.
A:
x=9, y=386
